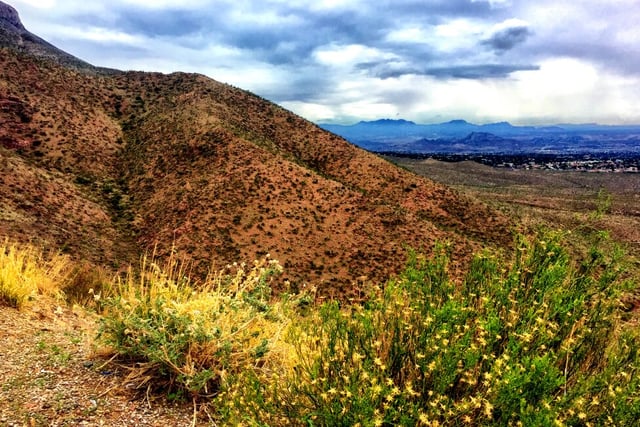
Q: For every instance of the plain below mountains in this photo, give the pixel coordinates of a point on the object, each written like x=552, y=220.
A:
x=107, y=165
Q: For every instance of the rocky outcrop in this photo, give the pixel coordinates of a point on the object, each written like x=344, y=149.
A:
x=9, y=17
x=15, y=36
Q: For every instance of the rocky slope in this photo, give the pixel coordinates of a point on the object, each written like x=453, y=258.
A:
x=13, y=34
x=107, y=166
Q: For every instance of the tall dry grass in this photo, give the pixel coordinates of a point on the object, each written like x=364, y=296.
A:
x=26, y=273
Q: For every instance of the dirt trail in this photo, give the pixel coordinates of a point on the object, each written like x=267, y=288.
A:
x=49, y=376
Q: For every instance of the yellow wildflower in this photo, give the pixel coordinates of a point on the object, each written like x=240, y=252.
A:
x=488, y=409
x=423, y=418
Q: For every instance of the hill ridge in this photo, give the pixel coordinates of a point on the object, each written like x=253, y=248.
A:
x=10, y=16
x=114, y=165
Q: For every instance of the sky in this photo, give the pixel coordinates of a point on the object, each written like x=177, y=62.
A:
x=523, y=61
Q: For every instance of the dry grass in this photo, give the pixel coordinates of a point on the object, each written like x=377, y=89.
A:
x=26, y=274
x=189, y=338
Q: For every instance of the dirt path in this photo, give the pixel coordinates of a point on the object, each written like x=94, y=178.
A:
x=49, y=376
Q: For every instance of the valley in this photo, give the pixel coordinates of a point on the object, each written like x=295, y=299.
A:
x=591, y=162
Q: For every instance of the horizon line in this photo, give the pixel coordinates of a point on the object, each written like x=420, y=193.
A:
x=558, y=124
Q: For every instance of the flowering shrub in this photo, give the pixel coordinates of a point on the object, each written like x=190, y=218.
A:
x=537, y=342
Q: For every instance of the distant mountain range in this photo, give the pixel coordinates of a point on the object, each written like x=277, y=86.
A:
x=462, y=137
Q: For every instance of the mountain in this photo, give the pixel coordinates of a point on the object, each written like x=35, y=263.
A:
x=371, y=130
x=106, y=166
x=462, y=137
x=13, y=34
x=387, y=122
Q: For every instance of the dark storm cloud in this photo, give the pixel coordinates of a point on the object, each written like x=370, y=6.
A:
x=390, y=69
x=289, y=34
x=507, y=38
x=173, y=22
x=362, y=24
x=395, y=69
x=387, y=69
x=309, y=51
x=159, y=23
x=313, y=87
x=480, y=71
x=293, y=32
x=293, y=41
x=290, y=39
x=434, y=11
x=342, y=26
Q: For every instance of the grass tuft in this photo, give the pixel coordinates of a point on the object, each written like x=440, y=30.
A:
x=187, y=338
x=26, y=274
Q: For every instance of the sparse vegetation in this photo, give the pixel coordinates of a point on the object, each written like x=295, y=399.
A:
x=603, y=205
x=112, y=164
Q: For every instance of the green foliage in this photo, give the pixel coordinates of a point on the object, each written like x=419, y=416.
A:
x=603, y=205
x=537, y=342
x=189, y=340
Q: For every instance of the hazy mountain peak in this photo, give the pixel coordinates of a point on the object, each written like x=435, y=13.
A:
x=8, y=15
x=388, y=122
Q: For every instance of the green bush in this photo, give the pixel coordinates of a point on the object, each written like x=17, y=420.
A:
x=188, y=339
x=537, y=341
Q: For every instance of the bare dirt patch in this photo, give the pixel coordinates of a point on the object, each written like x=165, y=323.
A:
x=51, y=376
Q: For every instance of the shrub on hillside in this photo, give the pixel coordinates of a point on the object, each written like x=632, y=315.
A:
x=535, y=342
x=188, y=339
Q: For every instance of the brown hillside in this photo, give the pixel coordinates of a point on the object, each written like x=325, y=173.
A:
x=109, y=166
x=54, y=136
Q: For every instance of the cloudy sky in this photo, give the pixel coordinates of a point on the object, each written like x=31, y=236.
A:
x=525, y=61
